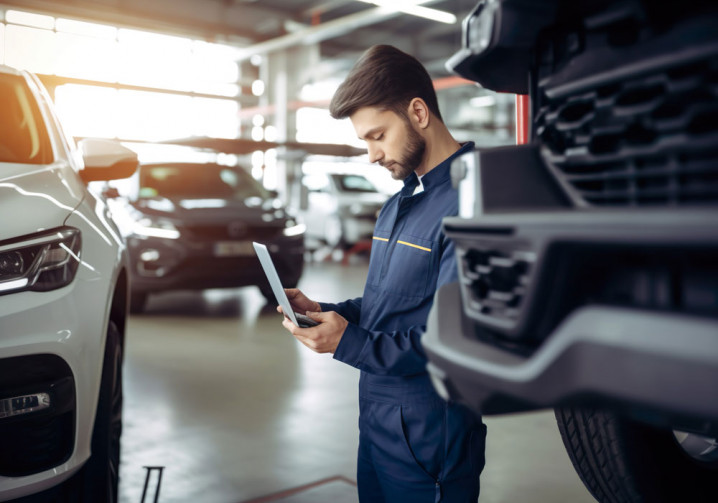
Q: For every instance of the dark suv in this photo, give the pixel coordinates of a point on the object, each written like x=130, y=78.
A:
x=588, y=257
x=191, y=226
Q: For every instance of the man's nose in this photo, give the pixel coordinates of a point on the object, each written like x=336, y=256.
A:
x=375, y=154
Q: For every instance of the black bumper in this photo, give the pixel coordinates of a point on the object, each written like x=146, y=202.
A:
x=666, y=365
x=559, y=308
x=193, y=266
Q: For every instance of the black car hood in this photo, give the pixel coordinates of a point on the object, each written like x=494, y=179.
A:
x=212, y=210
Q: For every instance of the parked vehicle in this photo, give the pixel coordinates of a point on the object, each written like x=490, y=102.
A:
x=191, y=226
x=340, y=208
x=63, y=304
x=587, y=258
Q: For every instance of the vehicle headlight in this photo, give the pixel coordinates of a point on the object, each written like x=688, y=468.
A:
x=155, y=228
x=294, y=228
x=40, y=263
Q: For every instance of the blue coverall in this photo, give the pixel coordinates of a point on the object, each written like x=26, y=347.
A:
x=413, y=446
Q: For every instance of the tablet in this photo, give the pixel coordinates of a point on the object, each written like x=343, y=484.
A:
x=278, y=290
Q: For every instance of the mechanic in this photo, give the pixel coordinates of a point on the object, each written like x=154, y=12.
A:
x=413, y=446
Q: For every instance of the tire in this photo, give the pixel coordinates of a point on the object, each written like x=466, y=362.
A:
x=268, y=294
x=138, y=302
x=98, y=480
x=624, y=461
x=334, y=232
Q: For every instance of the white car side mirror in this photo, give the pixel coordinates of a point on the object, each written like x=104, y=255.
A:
x=106, y=160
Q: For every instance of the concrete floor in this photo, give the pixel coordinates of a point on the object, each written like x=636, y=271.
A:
x=235, y=410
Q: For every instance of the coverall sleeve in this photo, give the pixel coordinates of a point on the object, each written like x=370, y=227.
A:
x=386, y=353
x=397, y=353
x=349, y=309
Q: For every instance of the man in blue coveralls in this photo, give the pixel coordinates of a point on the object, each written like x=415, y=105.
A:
x=413, y=446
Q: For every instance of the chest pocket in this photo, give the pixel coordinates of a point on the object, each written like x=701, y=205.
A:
x=408, y=267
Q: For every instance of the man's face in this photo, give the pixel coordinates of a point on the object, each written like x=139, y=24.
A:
x=391, y=140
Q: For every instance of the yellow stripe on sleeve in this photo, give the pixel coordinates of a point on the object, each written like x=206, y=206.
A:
x=380, y=239
x=414, y=246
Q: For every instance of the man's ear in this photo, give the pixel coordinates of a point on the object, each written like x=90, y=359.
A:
x=419, y=113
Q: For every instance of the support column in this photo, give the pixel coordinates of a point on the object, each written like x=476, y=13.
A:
x=285, y=72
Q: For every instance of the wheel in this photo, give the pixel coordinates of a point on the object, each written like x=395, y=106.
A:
x=138, y=302
x=98, y=479
x=333, y=231
x=268, y=295
x=624, y=461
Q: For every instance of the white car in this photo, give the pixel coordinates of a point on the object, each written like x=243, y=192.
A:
x=339, y=209
x=63, y=304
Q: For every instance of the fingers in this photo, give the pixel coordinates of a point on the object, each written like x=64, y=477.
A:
x=325, y=337
x=300, y=302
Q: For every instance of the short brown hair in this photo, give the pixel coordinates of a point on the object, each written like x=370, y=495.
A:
x=387, y=78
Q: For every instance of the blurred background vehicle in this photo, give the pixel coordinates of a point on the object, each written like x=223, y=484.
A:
x=63, y=304
x=339, y=208
x=191, y=226
x=587, y=257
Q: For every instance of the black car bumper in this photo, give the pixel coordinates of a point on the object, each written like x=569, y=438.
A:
x=560, y=307
x=184, y=264
x=666, y=364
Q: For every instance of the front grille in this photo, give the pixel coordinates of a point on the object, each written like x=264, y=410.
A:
x=641, y=133
x=494, y=283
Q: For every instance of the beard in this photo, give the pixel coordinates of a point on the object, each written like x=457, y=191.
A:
x=411, y=157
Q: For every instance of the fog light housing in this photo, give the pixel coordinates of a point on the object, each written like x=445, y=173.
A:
x=24, y=404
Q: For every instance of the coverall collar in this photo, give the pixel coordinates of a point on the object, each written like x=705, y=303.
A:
x=436, y=176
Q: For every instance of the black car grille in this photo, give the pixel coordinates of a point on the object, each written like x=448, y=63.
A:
x=229, y=232
x=642, y=133
x=495, y=282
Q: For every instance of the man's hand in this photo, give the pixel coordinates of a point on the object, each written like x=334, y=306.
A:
x=325, y=337
x=300, y=302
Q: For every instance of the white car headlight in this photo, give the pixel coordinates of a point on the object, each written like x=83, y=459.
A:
x=156, y=228
x=40, y=263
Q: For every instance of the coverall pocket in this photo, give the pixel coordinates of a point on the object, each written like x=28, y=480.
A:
x=411, y=266
x=423, y=431
x=393, y=441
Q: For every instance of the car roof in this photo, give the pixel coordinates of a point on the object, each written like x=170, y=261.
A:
x=10, y=70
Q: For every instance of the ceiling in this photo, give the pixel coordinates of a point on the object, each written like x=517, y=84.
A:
x=344, y=28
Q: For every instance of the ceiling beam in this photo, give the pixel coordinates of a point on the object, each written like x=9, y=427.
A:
x=323, y=31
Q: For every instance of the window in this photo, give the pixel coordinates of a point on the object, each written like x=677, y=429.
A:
x=23, y=137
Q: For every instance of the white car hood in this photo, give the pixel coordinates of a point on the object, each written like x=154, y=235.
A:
x=51, y=203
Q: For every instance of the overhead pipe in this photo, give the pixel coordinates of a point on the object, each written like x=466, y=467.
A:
x=320, y=32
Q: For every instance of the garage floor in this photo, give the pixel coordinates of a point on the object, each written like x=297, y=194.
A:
x=237, y=411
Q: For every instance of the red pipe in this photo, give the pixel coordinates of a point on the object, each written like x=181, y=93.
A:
x=522, y=119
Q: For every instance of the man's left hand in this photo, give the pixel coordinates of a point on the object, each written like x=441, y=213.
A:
x=325, y=337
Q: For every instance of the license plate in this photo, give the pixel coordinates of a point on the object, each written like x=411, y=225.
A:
x=233, y=249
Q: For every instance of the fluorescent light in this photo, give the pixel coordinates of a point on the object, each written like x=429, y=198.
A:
x=482, y=101
x=413, y=8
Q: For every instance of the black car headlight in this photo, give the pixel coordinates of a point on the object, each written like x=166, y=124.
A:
x=40, y=262
x=293, y=227
x=156, y=228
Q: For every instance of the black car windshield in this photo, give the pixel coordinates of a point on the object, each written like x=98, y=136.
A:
x=354, y=183
x=199, y=181
x=23, y=137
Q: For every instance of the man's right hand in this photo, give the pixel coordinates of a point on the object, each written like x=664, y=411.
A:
x=300, y=302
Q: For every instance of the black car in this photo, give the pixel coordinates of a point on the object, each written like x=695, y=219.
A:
x=588, y=257
x=191, y=226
